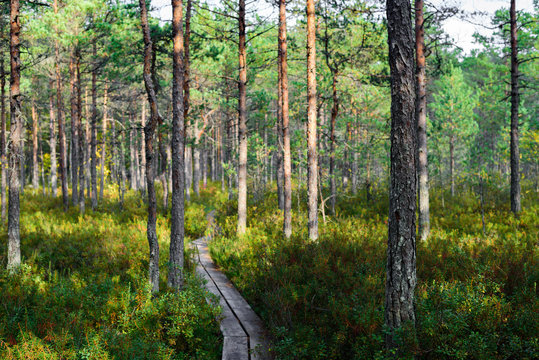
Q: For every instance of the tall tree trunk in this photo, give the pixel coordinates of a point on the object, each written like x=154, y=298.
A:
x=104, y=141
x=61, y=124
x=138, y=184
x=177, y=232
x=279, y=169
x=196, y=168
x=163, y=168
x=188, y=171
x=421, y=118
x=149, y=131
x=334, y=113
x=143, y=149
x=35, y=130
x=81, y=139
x=93, y=151
x=515, y=154
x=311, y=122
x=3, y=149
x=242, y=126
x=132, y=169
x=16, y=142
x=401, y=253
x=74, y=130
x=52, y=142
x=287, y=163
x=452, y=163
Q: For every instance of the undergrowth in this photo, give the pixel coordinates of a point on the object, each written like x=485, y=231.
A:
x=83, y=293
x=476, y=297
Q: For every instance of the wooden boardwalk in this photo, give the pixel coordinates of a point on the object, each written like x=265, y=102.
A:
x=244, y=335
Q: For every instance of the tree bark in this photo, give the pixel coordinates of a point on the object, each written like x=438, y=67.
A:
x=93, y=169
x=149, y=131
x=52, y=142
x=242, y=125
x=143, y=149
x=188, y=171
x=452, y=163
x=16, y=141
x=104, y=141
x=401, y=252
x=515, y=99
x=132, y=169
x=3, y=149
x=177, y=231
x=61, y=124
x=74, y=130
x=311, y=123
x=81, y=139
x=35, y=165
x=287, y=163
x=334, y=113
x=421, y=118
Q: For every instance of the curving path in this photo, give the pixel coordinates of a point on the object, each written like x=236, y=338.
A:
x=245, y=337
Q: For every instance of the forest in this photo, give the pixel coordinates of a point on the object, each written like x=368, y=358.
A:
x=295, y=180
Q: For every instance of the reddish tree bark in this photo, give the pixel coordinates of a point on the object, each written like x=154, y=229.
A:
x=311, y=123
x=242, y=126
x=287, y=163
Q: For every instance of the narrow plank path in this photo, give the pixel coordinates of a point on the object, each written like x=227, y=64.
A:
x=245, y=337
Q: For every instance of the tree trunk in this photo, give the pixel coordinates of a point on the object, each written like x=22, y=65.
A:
x=52, y=131
x=188, y=172
x=177, y=232
x=311, y=122
x=104, y=141
x=61, y=124
x=16, y=142
x=515, y=154
x=196, y=168
x=35, y=130
x=149, y=131
x=401, y=253
x=74, y=130
x=142, y=149
x=452, y=163
x=242, y=125
x=132, y=169
x=421, y=118
x=81, y=139
x=163, y=168
x=93, y=151
x=3, y=149
x=287, y=163
x=334, y=113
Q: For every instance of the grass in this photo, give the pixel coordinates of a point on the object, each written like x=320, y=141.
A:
x=83, y=293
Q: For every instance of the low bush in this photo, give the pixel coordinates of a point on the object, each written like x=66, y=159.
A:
x=476, y=296
x=82, y=292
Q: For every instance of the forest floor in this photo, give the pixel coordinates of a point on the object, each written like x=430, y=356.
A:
x=83, y=292
x=476, y=297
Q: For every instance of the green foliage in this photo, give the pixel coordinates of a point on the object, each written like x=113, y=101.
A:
x=83, y=291
x=476, y=297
